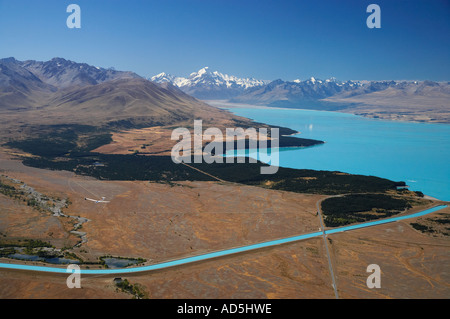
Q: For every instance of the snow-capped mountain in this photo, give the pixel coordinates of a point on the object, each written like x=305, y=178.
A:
x=205, y=84
x=329, y=94
x=60, y=91
x=163, y=78
x=317, y=93
x=297, y=90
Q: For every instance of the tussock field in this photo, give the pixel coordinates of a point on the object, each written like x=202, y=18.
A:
x=163, y=221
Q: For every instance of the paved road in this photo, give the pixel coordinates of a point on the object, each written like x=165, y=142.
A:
x=218, y=253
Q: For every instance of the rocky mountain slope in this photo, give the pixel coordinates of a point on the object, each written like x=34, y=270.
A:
x=61, y=92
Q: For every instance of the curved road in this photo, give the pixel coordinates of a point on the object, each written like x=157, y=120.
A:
x=218, y=253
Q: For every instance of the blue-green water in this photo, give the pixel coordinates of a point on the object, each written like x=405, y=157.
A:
x=52, y=260
x=115, y=263
x=417, y=153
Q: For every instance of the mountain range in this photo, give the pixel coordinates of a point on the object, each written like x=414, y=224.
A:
x=62, y=99
x=208, y=85
x=282, y=93
x=60, y=91
x=391, y=99
x=205, y=84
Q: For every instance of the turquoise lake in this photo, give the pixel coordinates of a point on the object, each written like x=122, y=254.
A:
x=417, y=153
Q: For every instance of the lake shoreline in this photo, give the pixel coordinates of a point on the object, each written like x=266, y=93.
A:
x=224, y=104
x=403, y=149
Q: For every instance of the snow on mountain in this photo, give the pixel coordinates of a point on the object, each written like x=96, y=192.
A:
x=205, y=84
x=163, y=78
x=297, y=91
x=213, y=85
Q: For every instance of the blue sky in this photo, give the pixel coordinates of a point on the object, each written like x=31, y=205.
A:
x=285, y=39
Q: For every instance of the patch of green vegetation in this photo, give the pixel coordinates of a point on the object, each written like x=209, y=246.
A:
x=60, y=141
x=136, y=290
x=29, y=244
x=444, y=220
x=122, y=167
x=434, y=225
x=33, y=203
x=5, y=252
x=47, y=147
x=93, y=142
x=60, y=150
x=359, y=208
x=70, y=255
x=303, y=180
x=35, y=243
x=43, y=253
x=10, y=191
x=283, y=141
x=422, y=228
x=135, y=260
x=6, y=188
x=41, y=204
x=163, y=169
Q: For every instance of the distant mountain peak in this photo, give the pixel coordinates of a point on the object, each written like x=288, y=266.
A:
x=8, y=60
x=203, y=70
x=200, y=73
x=163, y=78
x=205, y=84
x=61, y=73
x=58, y=59
x=59, y=91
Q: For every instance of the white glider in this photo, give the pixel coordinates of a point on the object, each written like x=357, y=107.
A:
x=97, y=200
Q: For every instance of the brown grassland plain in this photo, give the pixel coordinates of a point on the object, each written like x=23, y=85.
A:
x=160, y=222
